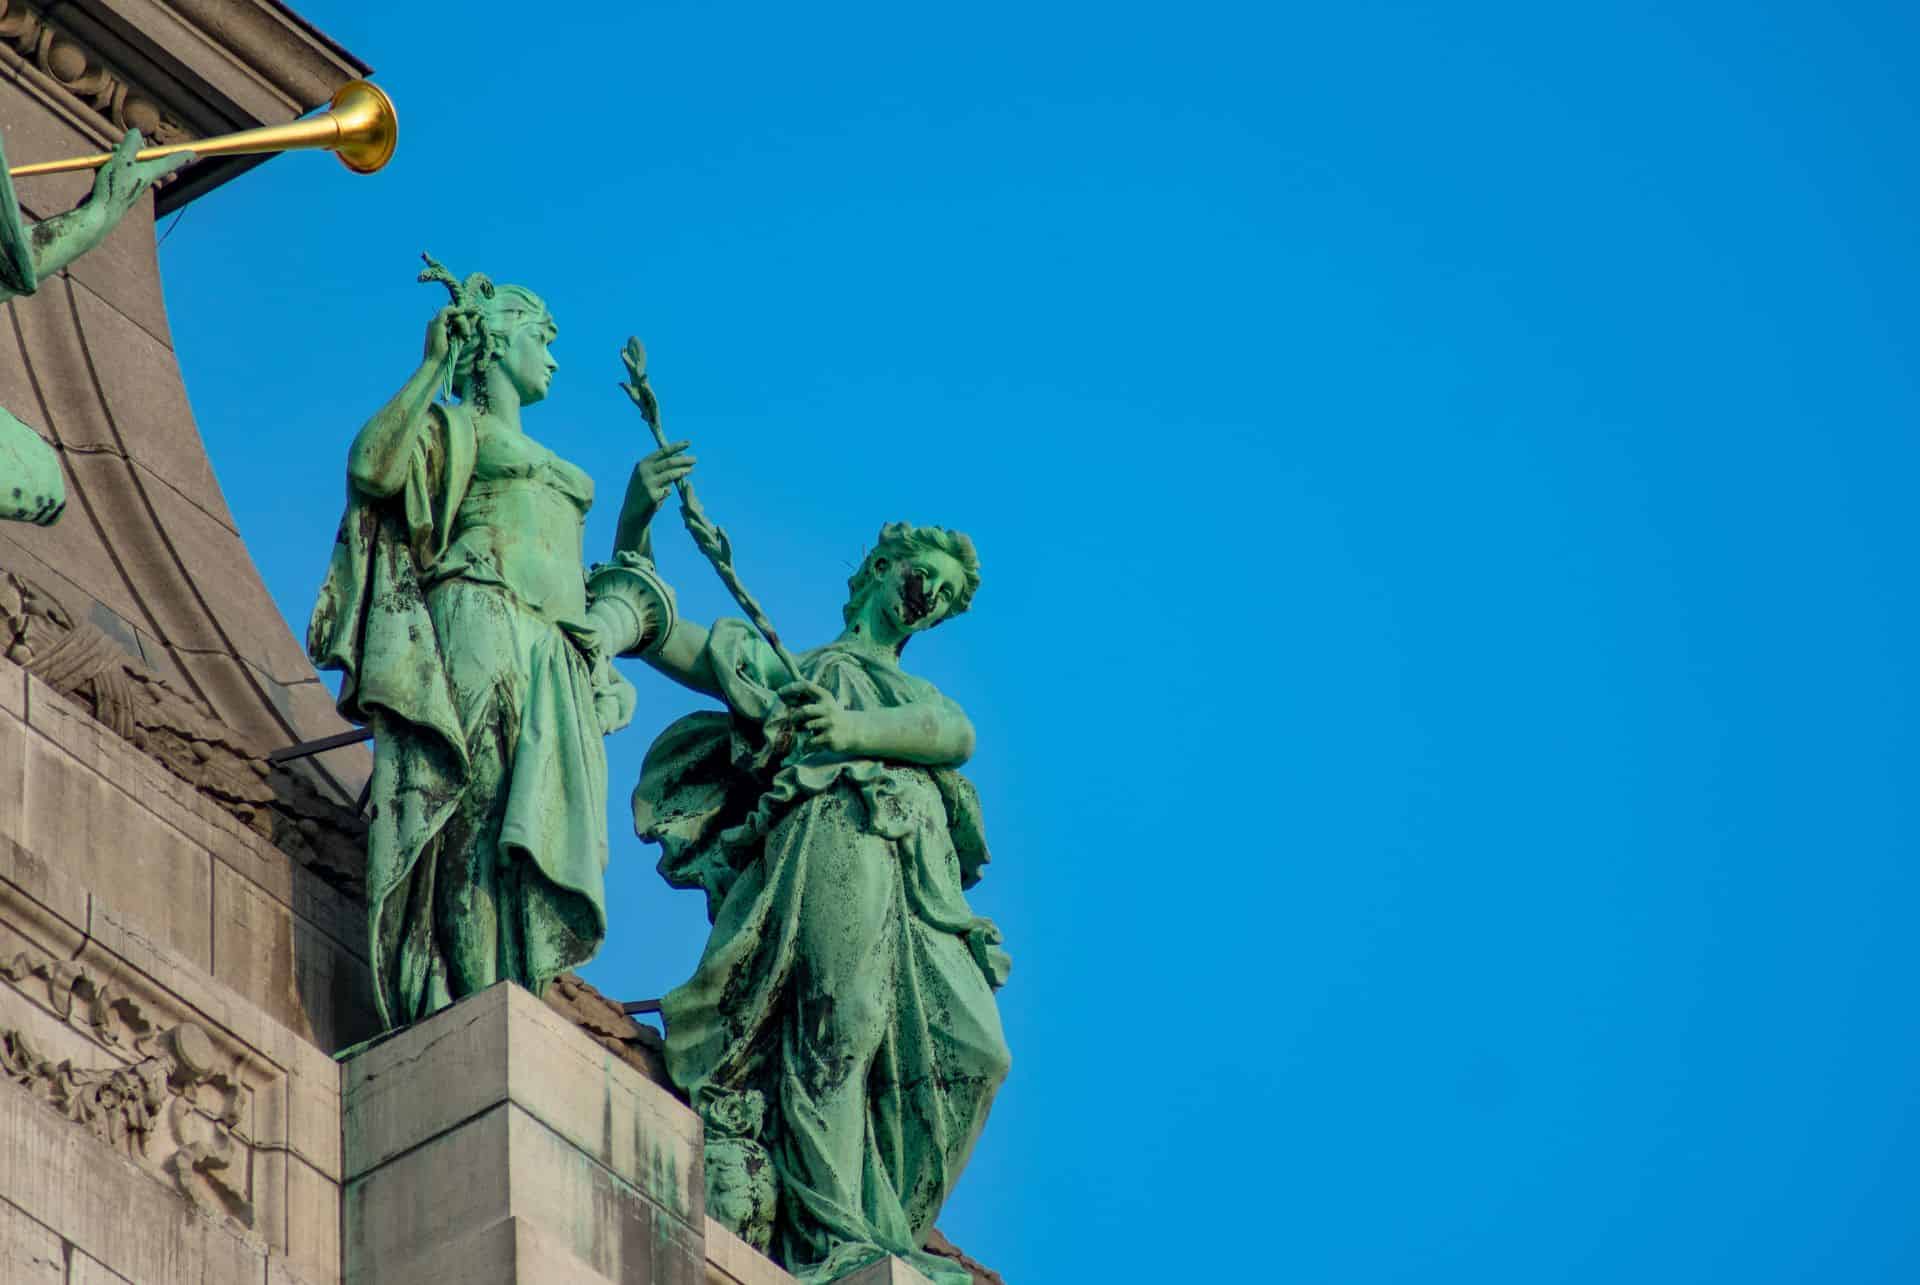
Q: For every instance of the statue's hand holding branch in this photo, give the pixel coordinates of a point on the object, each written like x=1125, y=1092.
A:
x=653, y=477
x=821, y=719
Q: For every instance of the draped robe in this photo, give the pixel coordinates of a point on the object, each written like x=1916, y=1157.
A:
x=457, y=610
x=842, y=1014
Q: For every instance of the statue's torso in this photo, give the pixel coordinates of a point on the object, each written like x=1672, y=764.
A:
x=521, y=523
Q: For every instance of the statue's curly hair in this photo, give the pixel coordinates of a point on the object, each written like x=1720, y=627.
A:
x=899, y=539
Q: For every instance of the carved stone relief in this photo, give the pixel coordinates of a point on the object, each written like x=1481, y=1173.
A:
x=166, y=1099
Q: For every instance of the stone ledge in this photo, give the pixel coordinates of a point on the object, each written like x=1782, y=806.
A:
x=731, y=1261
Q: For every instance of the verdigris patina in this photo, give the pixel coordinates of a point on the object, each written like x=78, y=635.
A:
x=31, y=487
x=477, y=650
x=839, y=1037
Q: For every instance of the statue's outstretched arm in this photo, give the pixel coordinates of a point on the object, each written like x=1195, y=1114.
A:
x=120, y=183
x=377, y=462
x=682, y=656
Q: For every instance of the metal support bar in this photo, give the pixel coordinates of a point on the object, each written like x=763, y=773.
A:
x=321, y=746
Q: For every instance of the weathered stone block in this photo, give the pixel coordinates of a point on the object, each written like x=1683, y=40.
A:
x=60, y=1175
x=498, y=1110
x=505, y=1045
x=508, y=1252
x=252, y=941
x=313, y=1222
x=73, y=816
x=503, y=1165
x=13, y=689
x=29, y=1253
x=50, y=891
x=87, y=1271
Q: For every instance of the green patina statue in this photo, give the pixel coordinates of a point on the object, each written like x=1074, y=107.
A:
x=839, y=1037
x=31, y=487
x=477, y=650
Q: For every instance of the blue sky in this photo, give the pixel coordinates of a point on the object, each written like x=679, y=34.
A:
x=1444, y=672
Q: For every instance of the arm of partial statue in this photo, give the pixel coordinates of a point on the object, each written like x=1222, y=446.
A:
x=653, y=477
x=934, y=733
x=120, y=183
x=377, y=461
x=682, y=656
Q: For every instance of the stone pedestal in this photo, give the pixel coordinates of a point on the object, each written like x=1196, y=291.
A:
x=891, y=1271
x=495, y=1144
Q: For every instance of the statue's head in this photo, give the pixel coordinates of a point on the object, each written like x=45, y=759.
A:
x=913, y=578
x=516, y=329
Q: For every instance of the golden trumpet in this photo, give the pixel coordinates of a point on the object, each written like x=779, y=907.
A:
x=359, y=126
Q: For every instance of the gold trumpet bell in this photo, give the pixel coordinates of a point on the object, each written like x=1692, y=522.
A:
x=359, y=126
x=369, y=127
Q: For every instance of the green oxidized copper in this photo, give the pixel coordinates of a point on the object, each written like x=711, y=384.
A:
x=476, y=649
x=839, y=1037
x=31, y=486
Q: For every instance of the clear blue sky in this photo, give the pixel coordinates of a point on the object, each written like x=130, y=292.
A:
x=1446, y=667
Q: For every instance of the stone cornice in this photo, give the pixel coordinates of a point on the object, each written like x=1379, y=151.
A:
x=84, y=75
x=178, y=69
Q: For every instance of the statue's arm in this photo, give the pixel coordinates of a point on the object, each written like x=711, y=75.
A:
x=377, y=461
x=935, y=732
x=120, y=183
x=682, y=656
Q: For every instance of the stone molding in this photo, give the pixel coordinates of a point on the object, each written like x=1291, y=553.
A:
x=176, y=70
x=85, y=75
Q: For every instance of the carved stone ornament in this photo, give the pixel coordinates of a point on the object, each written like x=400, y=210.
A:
x=171, y=1108
x=81, y=73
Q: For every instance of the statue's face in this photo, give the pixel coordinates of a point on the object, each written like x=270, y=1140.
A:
x=916, y=590
x=527, y=361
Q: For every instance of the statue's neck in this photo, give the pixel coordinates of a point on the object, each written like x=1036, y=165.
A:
x=864, y=633
x=503, y=402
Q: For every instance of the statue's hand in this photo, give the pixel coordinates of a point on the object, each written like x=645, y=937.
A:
x=654, y=476
x=122, y=181
x=820, y=717
x=450, y=326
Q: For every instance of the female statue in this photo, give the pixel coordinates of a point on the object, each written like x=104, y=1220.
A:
x=471, y=643
x=31, y=487
x=839, y=1036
